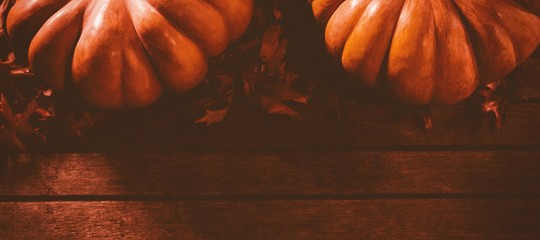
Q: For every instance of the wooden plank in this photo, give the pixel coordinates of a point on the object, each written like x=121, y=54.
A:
x=365, y=219
x=527, y=77
x=368, y=125
x=164, y=127
x=276, y=174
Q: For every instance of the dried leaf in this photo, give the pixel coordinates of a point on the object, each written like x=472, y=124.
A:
x=16, y=124
x=291, y=95
x=47, y=92
x=278, y=15
x=283, y=109
x=45, y=113
x=223, y=81
x=212, y=116
x=275, y=107
x=248, y=45
x=9, y=59
x=273, y=50
x=259, y=20
x=21, y=72
x=270, y=84
x=86, y=121
x=275, y=103
x=250, y=78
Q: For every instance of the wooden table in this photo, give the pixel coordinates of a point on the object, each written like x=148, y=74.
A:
x=375, y=175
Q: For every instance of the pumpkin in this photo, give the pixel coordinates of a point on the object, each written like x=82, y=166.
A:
x=123, y=53
x=428, y=51
x=533, y=5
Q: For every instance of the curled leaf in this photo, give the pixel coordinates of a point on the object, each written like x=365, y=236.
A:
x=213, y=116
x=87, y=120
x=273, y=50
x=16, y=125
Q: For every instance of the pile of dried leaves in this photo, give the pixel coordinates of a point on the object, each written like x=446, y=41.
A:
x=269, y=67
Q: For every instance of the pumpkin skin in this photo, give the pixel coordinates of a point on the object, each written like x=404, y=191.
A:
x=122, y=53
x=533, y=5
x=428, y=51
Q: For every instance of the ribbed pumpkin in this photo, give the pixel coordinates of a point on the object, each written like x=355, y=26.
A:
x=122, y=53
x=428, y=51
x=533, y=5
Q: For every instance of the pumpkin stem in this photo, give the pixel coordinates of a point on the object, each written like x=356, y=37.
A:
x=6, y=52
x=425, y=118
x=494, y=103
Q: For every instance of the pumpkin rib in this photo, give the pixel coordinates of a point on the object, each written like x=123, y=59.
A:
x=56, y=38
x=136, y=101
x=111, y=70
x=171, y=63
x=364, y=50
x=457, y=73
x=323, y=10
x=221, y=13
x=25, y=19
x=196, y=19
x=176, y=26
x=531, y=6
x=233, y=18
x=136, y=95
x=491, y=39
x=221, y=20
x=411, y=59
x=521, y=19
x=345, y=18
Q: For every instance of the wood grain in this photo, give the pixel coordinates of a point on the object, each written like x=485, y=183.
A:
x=453, y=126
x=527, y=77
x=274, y=174
x=361, y=219
x=367, y=125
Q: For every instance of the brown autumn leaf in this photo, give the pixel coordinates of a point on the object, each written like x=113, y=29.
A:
x=282, y=91
x=17, y=124
x=250, y=78
x=88, y=120
x=270, y=84
x=273, y=50
x=213, y=116
x=45, y=113
x=272, y=93
x=223, y=95
x=21, y=72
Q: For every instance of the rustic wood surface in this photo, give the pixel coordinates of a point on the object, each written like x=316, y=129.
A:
x=290, y=219
x=315, y=174
x=367, y=127
x=373, y=175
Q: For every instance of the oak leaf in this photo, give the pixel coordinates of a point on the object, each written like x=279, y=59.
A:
x=223, y=95
x=213, y=116
x=16, y=125
x=87, y=120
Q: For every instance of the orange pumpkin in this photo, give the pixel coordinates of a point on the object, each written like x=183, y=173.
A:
x=428, y=51
x=533, y=5
x=120, y=53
